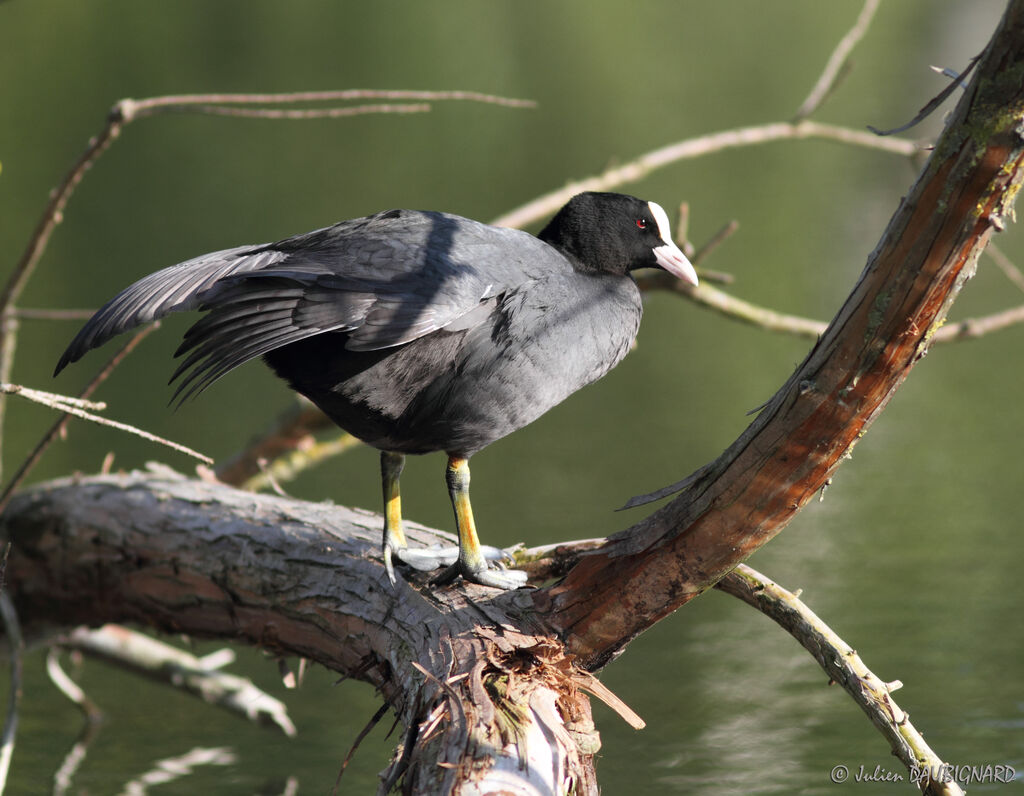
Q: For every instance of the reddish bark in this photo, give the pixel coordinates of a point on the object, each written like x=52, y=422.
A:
x=789, y=452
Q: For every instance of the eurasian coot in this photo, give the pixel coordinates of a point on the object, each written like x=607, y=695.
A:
x=418, y=331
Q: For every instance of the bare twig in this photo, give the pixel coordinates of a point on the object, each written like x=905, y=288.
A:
x=844, y=666
x=8, y=344
x=52, y=215
x=683, y=229
x=933, y=103
x=51, y=399
x=12, y=630
x=972, y=328
x=304, y=113
x=64, y=403
x=1006, y=265
x=713, y=243
x=172, y=768
x=34, y=314
x=770, y=320
x=70, y=688
x=58, y=427
x=290, y=465
x=148, y=107
x=64, y=775
x=691, y=148
x=128, y=110
x=374, y=720
x=197, y=676
x=733, y=307
x=288, y=431
x=836, y=62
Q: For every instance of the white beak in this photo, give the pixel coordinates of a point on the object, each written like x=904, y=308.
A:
x=674, y=261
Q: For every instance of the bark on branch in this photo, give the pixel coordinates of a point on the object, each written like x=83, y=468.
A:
x=479, y=689
x=787, y=454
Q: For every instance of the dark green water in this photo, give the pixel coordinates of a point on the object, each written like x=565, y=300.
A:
x=914, y=555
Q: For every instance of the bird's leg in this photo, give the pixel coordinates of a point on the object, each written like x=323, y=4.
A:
x=391, y=465
x=472, y=563
x=395, y=545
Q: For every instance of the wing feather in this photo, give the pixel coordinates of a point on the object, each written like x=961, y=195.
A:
x=384, y=280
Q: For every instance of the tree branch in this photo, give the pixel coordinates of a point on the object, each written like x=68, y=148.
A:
x=180, y=556
x=844, y=666
x=837, y=61
x=200, y=677
x=691, y=148
x=791, y=449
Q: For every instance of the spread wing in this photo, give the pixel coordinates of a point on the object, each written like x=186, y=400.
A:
x=385, y=280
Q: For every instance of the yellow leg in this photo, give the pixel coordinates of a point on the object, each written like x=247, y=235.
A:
x=391, y=465
x=457, y=477
x=472, y=563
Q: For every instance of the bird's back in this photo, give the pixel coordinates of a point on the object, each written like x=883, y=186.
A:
x=458, y=390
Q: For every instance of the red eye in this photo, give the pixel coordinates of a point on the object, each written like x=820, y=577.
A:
x=641, y=223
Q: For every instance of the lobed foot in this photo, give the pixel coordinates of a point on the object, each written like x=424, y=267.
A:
x=496, y=578
x=507, y=579
x=425, y=559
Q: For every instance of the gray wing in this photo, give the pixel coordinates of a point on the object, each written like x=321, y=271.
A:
x=174, y=289
x=385, y=280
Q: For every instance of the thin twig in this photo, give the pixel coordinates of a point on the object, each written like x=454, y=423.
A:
x=172, y=768
x=691, y=148
x=1005, y=264
x=844, y=666
x=65, y=404
x=52, y=399
x=35, y=314
x=733, y=307
x=933, y=103
x=713, y=243
x=196, y=676
x=148, y=107
x=973, y=328
x=306, y=113
x=58, y=427
x=12, y=630
x=770, y=320
x=683, y=229
x=290, y=465
x=63, y=776
x=53, y=214
x=374, y=720
x=128, y=109
x=8, y=345
x=827, y=81
x=69, y=688
x=287, y=432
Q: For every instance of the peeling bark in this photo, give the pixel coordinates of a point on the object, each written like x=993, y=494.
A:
x=740, y=501
x=489, y=700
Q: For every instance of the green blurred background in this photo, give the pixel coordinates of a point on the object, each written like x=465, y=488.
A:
x=912, y=556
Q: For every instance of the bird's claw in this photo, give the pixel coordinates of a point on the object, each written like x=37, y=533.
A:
x=430, y=558
x=426, y=559
x=496, y=578
x=496, y=554
x=507, y=579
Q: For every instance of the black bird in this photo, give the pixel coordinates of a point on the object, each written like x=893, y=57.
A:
x=418, y=331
